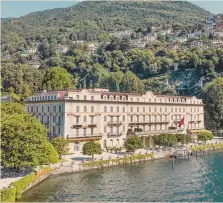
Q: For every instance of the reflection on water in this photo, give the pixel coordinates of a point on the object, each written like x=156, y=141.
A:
x=194, y=180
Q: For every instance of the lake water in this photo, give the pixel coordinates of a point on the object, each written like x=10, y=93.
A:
x=194, y=180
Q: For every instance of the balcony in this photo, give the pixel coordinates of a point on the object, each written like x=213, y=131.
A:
x=84, y=137
x=117, y=134
x=77, y=125
x=148, y=123
x=92, y=125
x=155, y=132
x=115, y=123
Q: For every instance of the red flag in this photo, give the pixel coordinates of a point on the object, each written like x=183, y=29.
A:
x=181, y=122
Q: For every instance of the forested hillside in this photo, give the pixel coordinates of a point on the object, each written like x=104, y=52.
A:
x=92, y=20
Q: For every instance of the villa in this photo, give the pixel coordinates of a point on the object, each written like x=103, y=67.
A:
x=82, y=115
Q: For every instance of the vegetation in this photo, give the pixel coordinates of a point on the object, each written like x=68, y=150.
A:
x=8, y=195
x=92, y=148
x=19, y=186
x=205, y=136
x=23, y=140
x=205, y=147
x=171, y=139
x=213, y=97
x=133, y=143
x=61, y=145
x=125, y=160
x=92, y=21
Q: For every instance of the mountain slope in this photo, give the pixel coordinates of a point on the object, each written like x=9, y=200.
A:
x=87, y=20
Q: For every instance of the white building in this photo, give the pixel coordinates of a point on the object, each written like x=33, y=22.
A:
x=108, y=117
x=61, y=48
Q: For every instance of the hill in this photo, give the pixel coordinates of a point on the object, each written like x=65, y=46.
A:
x=88, y=20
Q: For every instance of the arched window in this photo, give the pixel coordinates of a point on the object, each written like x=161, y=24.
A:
x=123, y=98
x=105, y=97
x=117, y=98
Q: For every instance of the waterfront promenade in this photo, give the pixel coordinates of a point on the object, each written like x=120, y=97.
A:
x=72, y=162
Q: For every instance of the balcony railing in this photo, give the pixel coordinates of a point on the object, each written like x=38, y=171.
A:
x=117, y=134
x=148, y=123
x=81, y=136
x=155, y=132
x=92, y=125
x=76, y=125
x=114, y=123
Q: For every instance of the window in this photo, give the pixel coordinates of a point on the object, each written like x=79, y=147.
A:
x=165, y=109
x=85, y=108
x=59, y=120
x=92, y=109
x=55, y=97
x=123, y=109
x=123, y=128
x=105, y=128
x=59, y=130
x=85, y=97
x=117, y=108
x=48, y=109
x=42, y=108
x=31, y=108
x=54, y=109
x=155, y=109
x=45, y=97
x=131, y=109
x=37, y=109
x=137, y=109
x=144, y=109
x=77, y=132
x=137, y=99
x=28, y=108
x=160, y=109
x=85, y=118
x=131, y=118
x=105, y=118
x=105, y=108
x=123, y=118
x=111, y=108
x=59, y=108
x=85, y=132
x=92, y=97
x=77, y=108
x=77, y=97
x=54, y=119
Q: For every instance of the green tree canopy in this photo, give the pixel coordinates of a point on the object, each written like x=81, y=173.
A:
x=58, y=77
x=213, y=98
x=61, y=145
x=23, y=140
x=205, y=136
x=92, y=148
x=133, y=143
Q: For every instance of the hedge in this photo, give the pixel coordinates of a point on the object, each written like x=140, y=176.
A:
x=8, y=195
x=11, y=194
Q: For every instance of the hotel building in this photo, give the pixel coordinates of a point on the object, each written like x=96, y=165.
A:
x=109, y=117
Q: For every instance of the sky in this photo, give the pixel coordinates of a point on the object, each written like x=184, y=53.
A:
x=19, y=8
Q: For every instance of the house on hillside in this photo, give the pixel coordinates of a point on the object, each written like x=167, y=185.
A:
x=149, y=38
x=174, y=46
x=92, y=47
x=165, y=32
x=219, y=27
x=61, y=48
x=31, y=50
x=34, y=64
x=218, y=34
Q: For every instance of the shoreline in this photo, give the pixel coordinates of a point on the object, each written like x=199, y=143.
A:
x=66, y=168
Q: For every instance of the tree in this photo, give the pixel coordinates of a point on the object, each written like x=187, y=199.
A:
x=165, y=139
x=23, y=140
x=84, y=83
x=92, y=148
x=213, y=98
x=58, y=77
x=133, y=143
x=61, y=145
x=205, y=136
